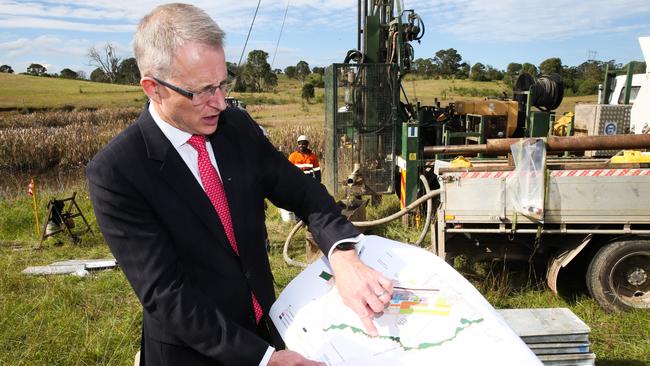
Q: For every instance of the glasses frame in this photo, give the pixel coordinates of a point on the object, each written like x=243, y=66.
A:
x=188, y=94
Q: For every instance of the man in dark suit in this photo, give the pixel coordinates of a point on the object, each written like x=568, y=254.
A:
x=179, y=197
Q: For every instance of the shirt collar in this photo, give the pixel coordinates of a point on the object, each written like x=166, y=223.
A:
x=174, y=135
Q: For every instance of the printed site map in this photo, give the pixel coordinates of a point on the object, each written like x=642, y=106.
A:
x=435, y=316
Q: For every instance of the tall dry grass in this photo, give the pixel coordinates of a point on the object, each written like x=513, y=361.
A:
x=285, y=139
x=61, y=118
x=41, y=141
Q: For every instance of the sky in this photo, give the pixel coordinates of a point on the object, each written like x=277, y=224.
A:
x=58, y=34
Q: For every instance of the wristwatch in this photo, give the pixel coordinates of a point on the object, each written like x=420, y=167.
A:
x=346, y=246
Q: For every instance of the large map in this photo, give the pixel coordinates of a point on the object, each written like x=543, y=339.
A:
x=435, y=316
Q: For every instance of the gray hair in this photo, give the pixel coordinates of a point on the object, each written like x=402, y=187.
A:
x=167, y=27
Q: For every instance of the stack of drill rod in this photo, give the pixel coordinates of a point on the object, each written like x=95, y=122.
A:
x=557, y=336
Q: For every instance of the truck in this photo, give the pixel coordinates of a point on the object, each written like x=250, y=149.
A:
x=594, y=211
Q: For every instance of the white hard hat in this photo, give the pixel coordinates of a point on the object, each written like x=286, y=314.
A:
x=302, y=138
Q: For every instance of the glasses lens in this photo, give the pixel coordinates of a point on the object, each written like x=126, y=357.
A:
x=203, y=97
x=200, y=98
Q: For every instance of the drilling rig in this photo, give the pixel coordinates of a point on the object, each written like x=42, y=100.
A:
x=367, y=126
x=375, y=136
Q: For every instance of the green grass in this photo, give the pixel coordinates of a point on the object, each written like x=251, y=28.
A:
x=24, y=93
x=65, y=320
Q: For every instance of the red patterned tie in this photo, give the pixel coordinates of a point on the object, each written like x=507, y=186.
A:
x=214, y=189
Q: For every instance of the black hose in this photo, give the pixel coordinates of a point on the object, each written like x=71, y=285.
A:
x=547, y=92
x=353, y=55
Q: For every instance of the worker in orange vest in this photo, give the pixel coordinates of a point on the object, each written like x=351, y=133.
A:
x=305, y=159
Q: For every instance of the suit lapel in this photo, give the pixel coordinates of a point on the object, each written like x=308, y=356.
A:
x=174, y=171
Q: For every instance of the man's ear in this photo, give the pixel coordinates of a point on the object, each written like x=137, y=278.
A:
x=150, y=88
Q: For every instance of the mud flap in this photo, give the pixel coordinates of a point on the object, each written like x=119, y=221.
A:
x=561, y=259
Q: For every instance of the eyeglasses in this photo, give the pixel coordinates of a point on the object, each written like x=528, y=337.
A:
x=197, y=98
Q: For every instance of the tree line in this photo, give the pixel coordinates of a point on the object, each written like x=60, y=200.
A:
x=255, y=75
x=578, y=80
x=109, y=68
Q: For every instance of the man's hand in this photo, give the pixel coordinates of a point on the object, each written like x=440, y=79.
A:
x=290, y=358
x=362, y=289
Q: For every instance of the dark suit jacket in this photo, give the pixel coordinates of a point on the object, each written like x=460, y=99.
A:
x=169, y=241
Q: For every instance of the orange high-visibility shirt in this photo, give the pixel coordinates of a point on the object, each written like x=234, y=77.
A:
x=308, y=163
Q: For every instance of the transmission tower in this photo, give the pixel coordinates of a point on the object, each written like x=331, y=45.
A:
x=592, y=54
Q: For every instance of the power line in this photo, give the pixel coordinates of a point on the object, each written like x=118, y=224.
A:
x=249, y=34
x=280, y=36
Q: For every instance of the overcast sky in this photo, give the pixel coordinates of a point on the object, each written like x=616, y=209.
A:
x=58, y=34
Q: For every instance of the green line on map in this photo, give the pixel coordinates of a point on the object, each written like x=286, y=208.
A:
x=465, y=323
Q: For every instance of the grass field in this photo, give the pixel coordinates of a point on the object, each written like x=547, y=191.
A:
x=95, y=320
x=23, y=92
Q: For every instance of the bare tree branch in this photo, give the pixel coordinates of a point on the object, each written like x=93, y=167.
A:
x=107, y=60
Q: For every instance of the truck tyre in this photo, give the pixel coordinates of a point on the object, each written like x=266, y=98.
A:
x=618, y=276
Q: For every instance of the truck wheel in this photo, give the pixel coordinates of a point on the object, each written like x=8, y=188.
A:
x=618, y=276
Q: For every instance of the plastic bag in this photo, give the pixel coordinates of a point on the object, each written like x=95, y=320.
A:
x=526, y=185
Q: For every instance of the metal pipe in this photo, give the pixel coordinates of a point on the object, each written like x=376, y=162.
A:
x=547, y=231
x=359, y=29
x=553, y=144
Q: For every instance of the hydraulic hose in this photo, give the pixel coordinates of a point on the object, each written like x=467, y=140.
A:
x=285, y=249
x=425, y=229
x=427, y=197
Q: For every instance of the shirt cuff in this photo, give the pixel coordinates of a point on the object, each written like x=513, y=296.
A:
x=354, y=240
x=267, y=356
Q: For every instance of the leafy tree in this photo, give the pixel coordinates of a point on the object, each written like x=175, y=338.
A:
x=302, y=71
x=318, y=70
x=68, y=74
x=256, y=73
x=277, y=71
x=513, y=68
x=316, y=80
x=529, y=69
x=588, y=87
x=128, y=72
x=512, y=72
x=307, y=91
x=571, y=79
x=447, y=62
x=290, y=71
x=463, y=71
x=233, y=70
x=593, y=69
x=478, y=72
x=98, y=75
x=551, y=65
x=6, y=69
x=424, y=67
x=36, y=70
x=638, y=67
x=271, y=80
x=106, y=60
x=493, y=74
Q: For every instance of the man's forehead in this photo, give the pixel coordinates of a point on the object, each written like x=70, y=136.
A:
x=199, y=64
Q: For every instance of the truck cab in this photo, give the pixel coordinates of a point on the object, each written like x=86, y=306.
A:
x=617, y=96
